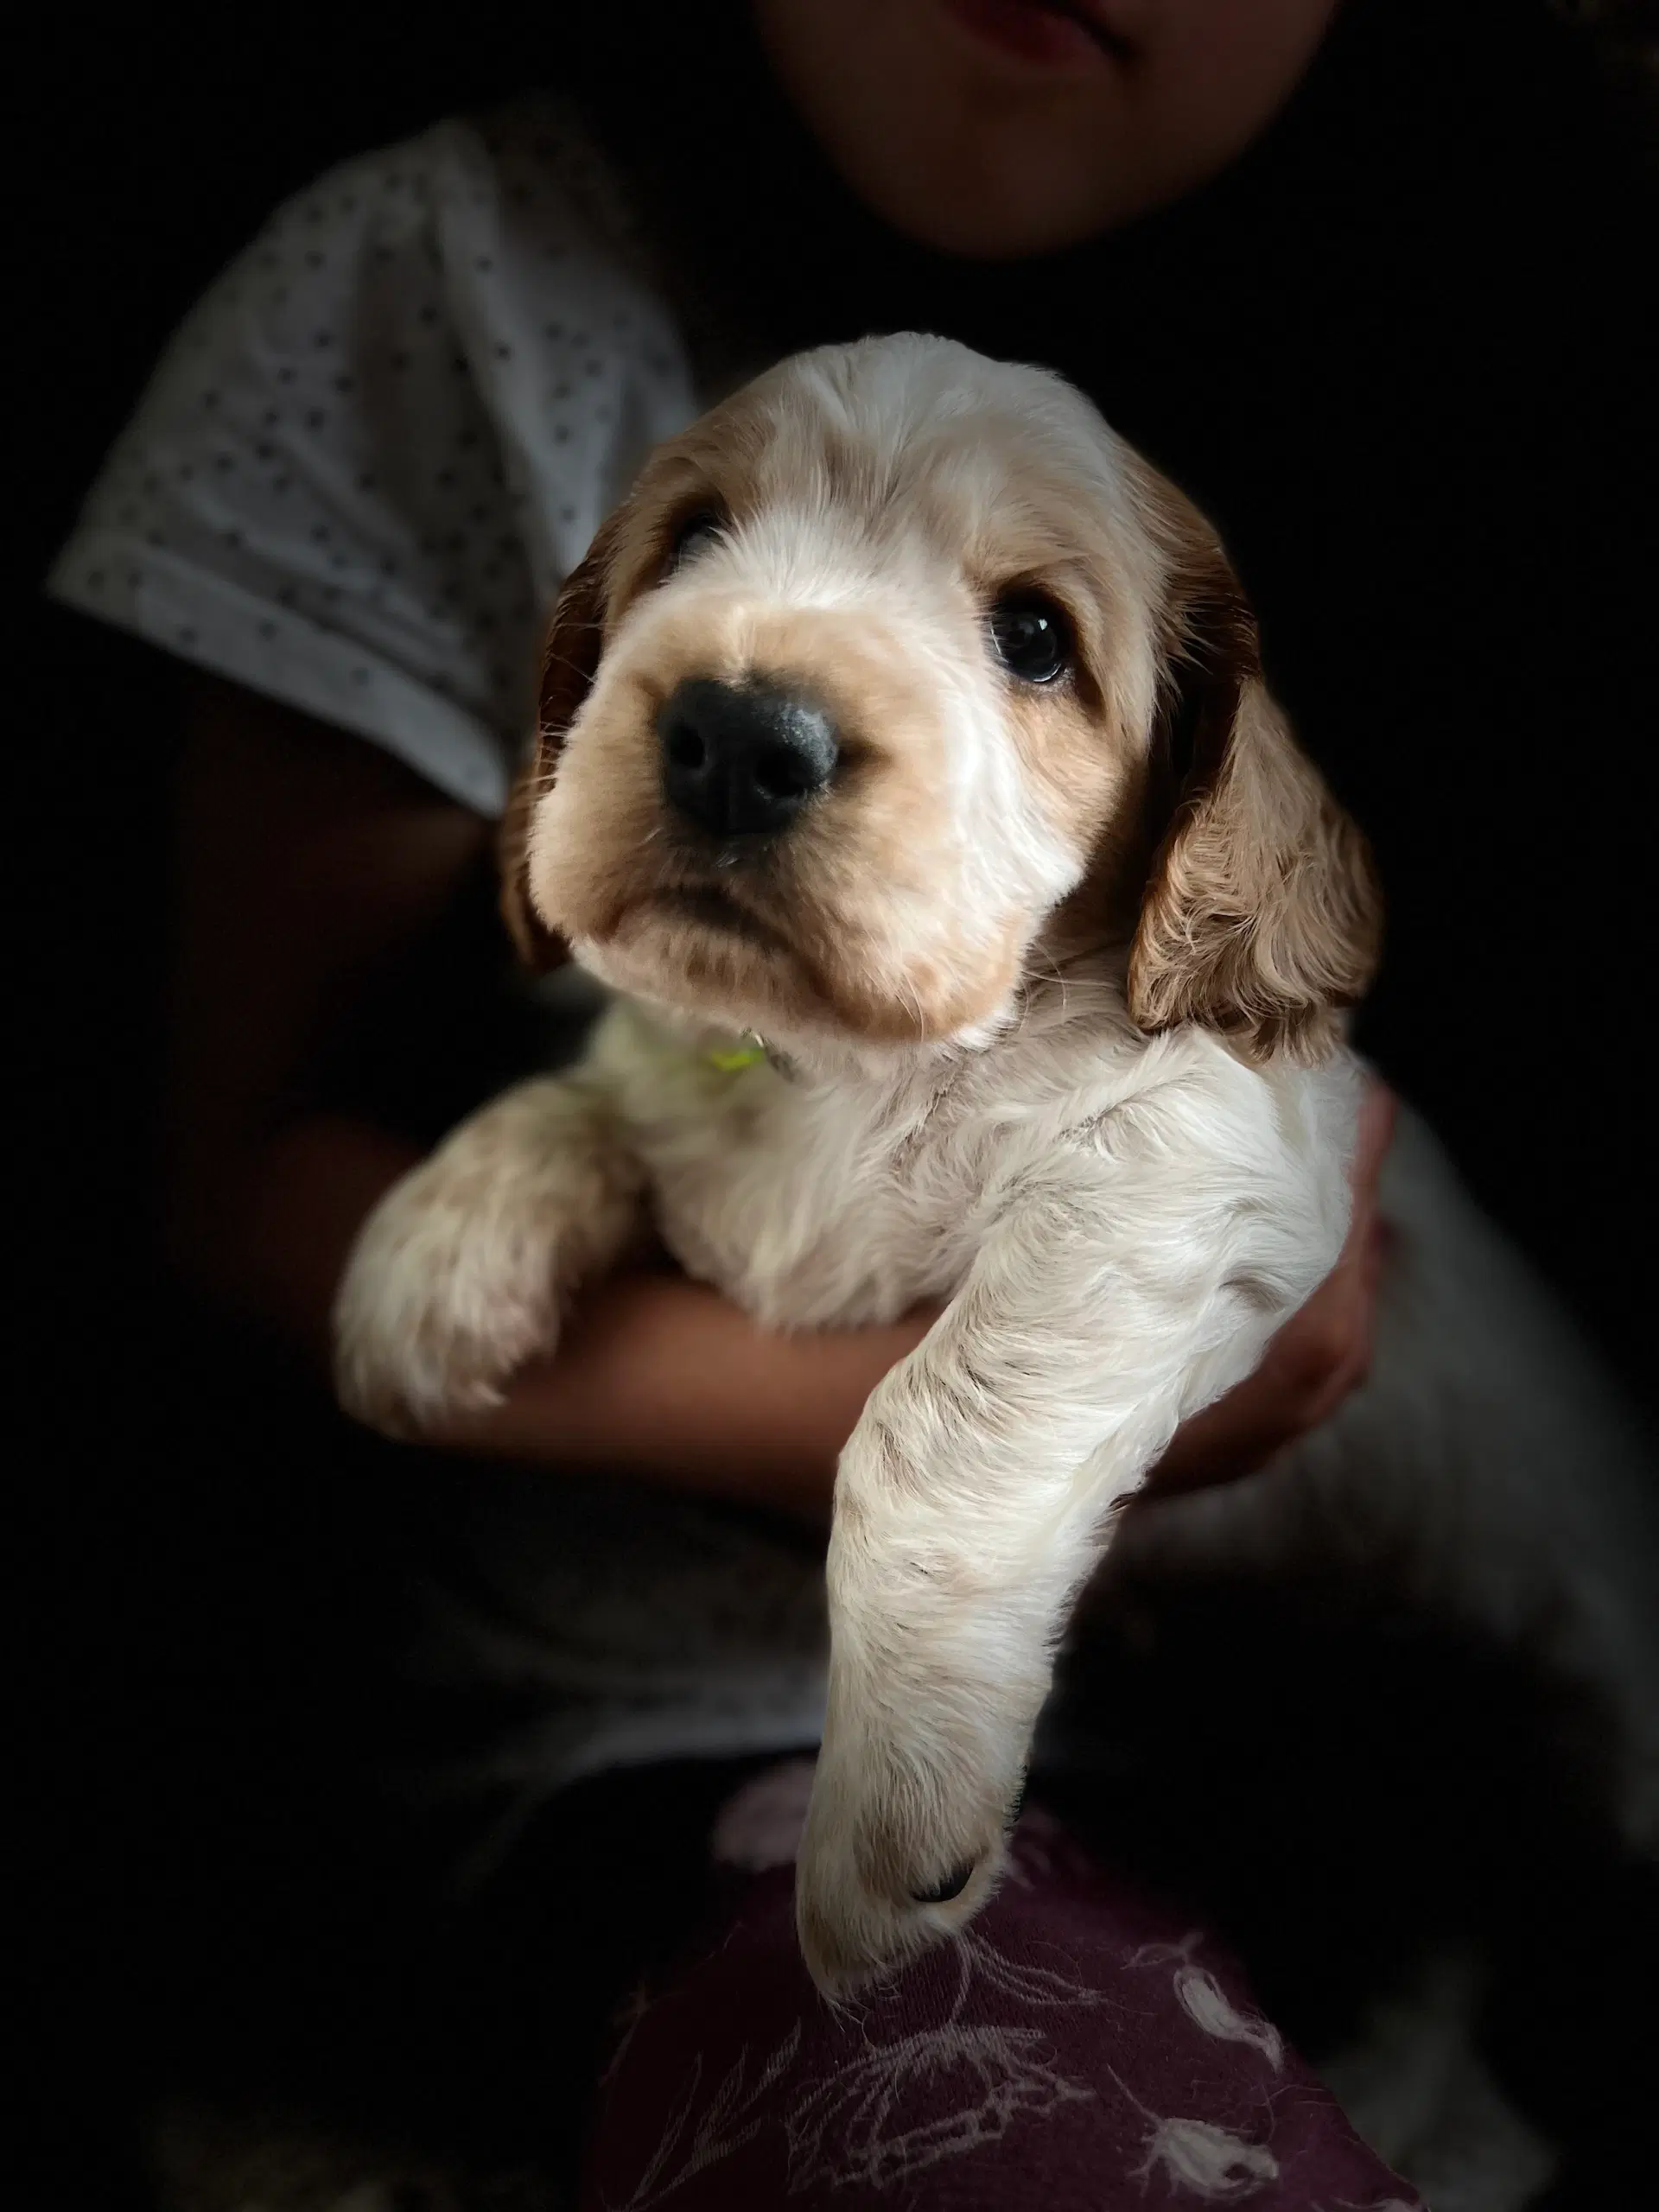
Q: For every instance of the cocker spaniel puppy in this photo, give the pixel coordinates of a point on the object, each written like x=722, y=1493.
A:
x=980, y=934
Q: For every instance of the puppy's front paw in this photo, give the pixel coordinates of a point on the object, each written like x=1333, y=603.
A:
x=459, y=1275
x=439, y=1304
x=906, y=1832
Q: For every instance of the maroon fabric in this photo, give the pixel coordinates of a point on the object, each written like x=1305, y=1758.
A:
x=1080, y=2046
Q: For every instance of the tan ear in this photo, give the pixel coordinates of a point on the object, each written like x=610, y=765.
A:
x=1261, y=915
x=569, y=662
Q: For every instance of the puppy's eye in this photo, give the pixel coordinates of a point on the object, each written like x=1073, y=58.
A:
x=1032, y=636
x=697, y=530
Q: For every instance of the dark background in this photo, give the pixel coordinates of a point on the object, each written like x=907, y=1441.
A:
x=157, y=1686
x=1518, y=1007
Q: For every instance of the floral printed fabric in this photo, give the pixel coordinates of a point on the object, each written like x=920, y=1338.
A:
x=1081, y=2046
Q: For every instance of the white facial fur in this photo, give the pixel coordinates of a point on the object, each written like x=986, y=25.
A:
x=880, y=499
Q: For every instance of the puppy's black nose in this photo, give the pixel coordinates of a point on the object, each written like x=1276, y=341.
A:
x=740, y=760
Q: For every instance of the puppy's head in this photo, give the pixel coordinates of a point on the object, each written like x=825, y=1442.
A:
x=897, y=678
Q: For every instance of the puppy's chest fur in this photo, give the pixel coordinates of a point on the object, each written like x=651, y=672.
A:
x=818, y=1204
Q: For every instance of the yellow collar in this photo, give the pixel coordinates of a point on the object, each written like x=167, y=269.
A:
x=734, y=1058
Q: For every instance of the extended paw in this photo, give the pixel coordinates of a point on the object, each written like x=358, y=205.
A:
x=904, y=1840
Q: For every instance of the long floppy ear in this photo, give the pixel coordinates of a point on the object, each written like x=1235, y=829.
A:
x=569, y=664
x=1261, y=915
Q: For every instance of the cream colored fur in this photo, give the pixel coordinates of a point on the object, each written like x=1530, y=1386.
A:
x=1049, y=982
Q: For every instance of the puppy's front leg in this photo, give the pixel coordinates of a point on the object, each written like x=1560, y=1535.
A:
x=463, y=1271
x=972, y=1501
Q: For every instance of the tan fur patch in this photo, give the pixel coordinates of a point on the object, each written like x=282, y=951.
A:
x=1262, y=915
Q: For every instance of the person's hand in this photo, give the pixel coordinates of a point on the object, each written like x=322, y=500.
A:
x=1322, y=1352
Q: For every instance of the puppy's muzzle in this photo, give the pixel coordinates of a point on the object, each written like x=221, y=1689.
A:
x=741, y=760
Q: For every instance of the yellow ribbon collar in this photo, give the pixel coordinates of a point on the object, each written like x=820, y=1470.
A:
x=731, y=1059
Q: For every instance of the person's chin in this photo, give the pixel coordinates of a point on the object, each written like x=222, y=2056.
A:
x=991, y=217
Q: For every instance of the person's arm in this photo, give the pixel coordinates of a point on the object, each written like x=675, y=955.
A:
x=313, y=873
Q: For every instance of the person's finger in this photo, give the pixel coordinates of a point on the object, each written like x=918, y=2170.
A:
x=1323, y=1348
x=1379, y=1241
x=1356, y=1326
x=1323, y=1351
x=1374, y=1131
x=1303, y=1373
x=1379, y=1109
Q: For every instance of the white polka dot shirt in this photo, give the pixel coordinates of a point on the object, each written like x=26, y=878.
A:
x=355, y=483
x=375, y=448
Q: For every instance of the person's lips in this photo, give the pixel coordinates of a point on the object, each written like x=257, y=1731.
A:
x=1052, y=34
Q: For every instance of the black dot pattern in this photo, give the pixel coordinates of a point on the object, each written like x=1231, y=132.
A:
x=378, y=444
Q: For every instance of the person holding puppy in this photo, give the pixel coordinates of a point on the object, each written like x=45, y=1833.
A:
x=384, y=437
x=349, y=498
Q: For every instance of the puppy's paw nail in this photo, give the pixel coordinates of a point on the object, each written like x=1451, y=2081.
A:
x=953, y=1886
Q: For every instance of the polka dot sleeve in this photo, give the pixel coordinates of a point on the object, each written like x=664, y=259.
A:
x=372, y=451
